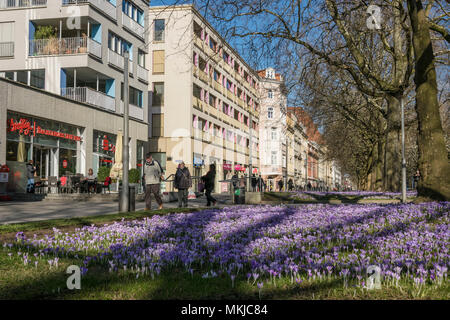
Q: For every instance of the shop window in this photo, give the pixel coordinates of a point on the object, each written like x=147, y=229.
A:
x=17, y=151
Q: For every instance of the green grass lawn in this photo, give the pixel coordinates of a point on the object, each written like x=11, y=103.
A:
x=19, y=281
x=42, y=282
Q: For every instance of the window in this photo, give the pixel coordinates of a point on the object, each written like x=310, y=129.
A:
x=158, y=62
x=270, y=113
x=273, y=158
x=7, y=39
x=135, y=96
x=158, y=94
x=38, y=78
x=141, y=58
x=161, y=158
x=22, y=76
x=159, y=30
x=118, y=45
x=274, y=133
x=270, y=74
x=133, y=12
x=158, y=125
x=270, y=94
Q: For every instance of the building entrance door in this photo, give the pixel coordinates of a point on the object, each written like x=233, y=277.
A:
x=42, y=160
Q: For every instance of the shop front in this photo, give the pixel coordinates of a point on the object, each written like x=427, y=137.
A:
x=198, y=164
x=227, y=175
x=104, y=148
x=54, y=147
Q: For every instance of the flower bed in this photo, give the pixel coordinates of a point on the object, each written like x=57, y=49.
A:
x=408, y=242
x=359, y=194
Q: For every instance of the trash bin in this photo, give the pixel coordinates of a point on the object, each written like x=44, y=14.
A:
x=131, y=200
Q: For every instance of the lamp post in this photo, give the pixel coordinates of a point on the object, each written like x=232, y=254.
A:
x=403, y=153
x=125, y=155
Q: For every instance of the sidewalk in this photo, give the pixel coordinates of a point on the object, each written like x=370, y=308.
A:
x=16, y=212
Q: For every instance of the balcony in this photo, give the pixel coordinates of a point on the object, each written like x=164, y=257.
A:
x=142, y=73
x=90, y=96
x=217, y=86
x=6, y=49
x=63, y=46
x=117, y=61
x=133, y=111
x=132, y=26
x=103, y=5
x=203, y=76
x=14, y=4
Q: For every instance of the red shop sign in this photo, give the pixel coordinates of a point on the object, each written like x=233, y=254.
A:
x=24, y=127
x=227, y=166
x=65, y=163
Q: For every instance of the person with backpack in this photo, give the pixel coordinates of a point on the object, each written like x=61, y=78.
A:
x=153, y=175
x=208, y=180
x=183, y=182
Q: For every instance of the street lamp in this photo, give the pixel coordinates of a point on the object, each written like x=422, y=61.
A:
x=125, y=155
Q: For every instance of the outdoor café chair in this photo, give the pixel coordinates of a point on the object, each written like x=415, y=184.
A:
x=53, y=184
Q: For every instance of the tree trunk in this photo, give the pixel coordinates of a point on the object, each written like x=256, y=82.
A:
x=433, y=159
x=379, y=166
x=392, y=159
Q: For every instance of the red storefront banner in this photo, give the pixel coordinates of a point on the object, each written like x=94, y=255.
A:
x=227, y=166
x=24, y=127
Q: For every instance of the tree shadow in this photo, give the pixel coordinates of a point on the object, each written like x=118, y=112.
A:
x=186, y=226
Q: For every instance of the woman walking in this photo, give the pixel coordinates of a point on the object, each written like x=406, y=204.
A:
x=183, y=182
x=208, y=180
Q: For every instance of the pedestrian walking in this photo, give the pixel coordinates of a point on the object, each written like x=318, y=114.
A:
x=31, y=170
x=280, y=184
x=208, y=180
x=416, y=178
x=153, y=175
x=183, y=182
x=254, y=182
x=290, y=185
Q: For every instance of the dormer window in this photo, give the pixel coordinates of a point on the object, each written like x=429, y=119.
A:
x=270, y=74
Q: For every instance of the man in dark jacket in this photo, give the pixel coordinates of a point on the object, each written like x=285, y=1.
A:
x=280, y=185
x=208, y=180
x=31, y=169
x=183, y=182
x=254, y=183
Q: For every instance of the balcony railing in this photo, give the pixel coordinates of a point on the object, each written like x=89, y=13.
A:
x=132, y=25
x=103, y=5
x=142, y=73
x=95, y=48
x=90, y=96
x=12, y=4
x=55, y=46
x=6, y=49
x=117, y=60
x=133, y=111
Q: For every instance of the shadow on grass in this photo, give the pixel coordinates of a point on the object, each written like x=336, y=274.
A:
x=176, y=283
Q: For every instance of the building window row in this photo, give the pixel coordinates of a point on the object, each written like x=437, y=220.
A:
x=225, y=82
x=216, y=130
x=34, y=78
x=215, y=102
x=133, y=11
x=225, y=55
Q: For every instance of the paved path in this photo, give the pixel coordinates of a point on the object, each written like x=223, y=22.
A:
x=15, y=212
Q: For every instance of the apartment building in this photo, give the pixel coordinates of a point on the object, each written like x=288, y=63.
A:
x=204, y=97
x=72, y=49
x=297, y=141
x=273, y=128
